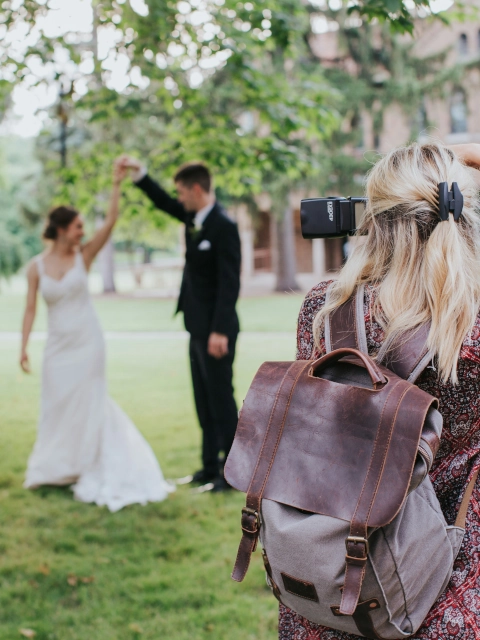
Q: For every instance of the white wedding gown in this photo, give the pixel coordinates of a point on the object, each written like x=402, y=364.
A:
x=83, y=435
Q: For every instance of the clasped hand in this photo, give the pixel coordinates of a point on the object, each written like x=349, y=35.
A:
x=123, y=165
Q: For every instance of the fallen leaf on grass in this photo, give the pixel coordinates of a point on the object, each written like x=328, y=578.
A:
x=72, y=580
x=88, y=579
x=33, y=583
x=136, y=628
x=44, y=568
x=28, y=633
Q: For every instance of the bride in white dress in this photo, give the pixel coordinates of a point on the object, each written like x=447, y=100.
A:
x=84, y=438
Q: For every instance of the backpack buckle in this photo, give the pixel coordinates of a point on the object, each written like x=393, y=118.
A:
x=358, y=540
x=247, y=514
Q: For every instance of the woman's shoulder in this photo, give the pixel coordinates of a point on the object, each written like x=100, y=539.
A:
x=311, y=305
x=315, y=298
x=34, y=265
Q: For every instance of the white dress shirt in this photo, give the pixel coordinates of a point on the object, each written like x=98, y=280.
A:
x=201, y=215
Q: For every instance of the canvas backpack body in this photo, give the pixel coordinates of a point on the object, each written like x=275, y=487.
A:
x=334, y=458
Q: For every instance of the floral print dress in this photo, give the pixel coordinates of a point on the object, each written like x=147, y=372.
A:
x=456, y=614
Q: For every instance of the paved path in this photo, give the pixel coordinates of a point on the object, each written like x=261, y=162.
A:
x=11, y=336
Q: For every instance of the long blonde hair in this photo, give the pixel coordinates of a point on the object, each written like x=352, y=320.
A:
x=425, y=269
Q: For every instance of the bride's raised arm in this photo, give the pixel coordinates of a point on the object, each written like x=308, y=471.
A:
x=91, y=248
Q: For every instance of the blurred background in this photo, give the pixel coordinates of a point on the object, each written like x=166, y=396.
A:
x=283, y=99
x=281, y=105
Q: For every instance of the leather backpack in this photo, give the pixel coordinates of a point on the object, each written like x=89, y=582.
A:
x=334, y=456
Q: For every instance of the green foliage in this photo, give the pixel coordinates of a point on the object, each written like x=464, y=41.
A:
x=235, y=84
x=20, y=205
x=387, y=72
x=85, y=182
x=256, y=115
x=11, y=252
x=397, y=13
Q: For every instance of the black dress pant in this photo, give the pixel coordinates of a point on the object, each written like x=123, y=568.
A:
x=214, y=401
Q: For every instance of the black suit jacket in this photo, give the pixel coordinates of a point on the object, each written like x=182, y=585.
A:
x=211, y=278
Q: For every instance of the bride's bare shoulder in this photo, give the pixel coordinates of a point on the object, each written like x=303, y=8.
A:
x=33, y=267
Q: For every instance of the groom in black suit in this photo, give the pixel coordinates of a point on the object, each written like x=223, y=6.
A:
x=208, y=295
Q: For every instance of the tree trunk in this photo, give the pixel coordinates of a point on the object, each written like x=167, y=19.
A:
x=285, y=263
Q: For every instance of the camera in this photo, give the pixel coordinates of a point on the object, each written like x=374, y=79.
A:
x=331, y=217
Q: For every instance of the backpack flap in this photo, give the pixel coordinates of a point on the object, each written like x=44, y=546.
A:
x=329, y=429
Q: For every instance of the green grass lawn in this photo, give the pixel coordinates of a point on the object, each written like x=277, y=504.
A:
x=71, y=571
x=117, y=313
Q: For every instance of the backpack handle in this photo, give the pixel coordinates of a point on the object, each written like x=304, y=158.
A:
x=374, y=372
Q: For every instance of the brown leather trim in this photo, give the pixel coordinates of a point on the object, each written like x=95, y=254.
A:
x=268, y=569
x=362, y=617
x=356, y=558
x=261, y=473
x=431, y=439
x=374, y=372
x=413, y=410
x=300, y=588
x=247, y=546
x=462, y=512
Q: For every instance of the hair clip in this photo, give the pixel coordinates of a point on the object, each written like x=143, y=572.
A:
x=450, y=201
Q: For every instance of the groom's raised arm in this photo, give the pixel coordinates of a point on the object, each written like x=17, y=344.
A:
x=160, y=198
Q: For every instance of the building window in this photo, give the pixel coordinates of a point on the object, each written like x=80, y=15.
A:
x=458, y=112
x=463, y=45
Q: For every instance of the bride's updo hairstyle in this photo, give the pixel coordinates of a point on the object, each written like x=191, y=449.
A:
x=426, y=269
x=59, y=218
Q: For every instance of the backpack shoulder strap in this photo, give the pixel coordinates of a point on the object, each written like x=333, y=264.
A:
x=345, y=326
x=407, y=356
